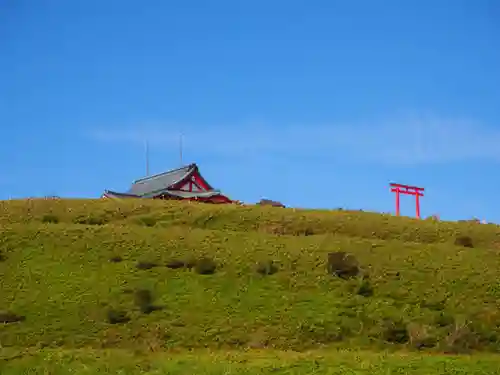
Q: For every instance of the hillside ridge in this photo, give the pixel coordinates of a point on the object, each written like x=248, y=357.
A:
x=159, y=275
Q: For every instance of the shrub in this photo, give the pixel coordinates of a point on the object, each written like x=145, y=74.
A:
x=308, y=232
x=3, y=258
x=419, y=337
x=443, y=320
x=205, y=266
x=321, y=333
x=50, y=218
x=464, y=241
x=266, y=268
x=190, y=262
x=396, y=333
x=438, y=305
x=147, y=221
x=304, y=232
x=90, y=220
x=144, y=300
x=461, y=339
x=277, y=230
x=10, y=317
x=175, y=264
x=115, y=259
x=343, y=265
x=365, y=289
x=143, y=297
x=146, y=265
x=117, y=316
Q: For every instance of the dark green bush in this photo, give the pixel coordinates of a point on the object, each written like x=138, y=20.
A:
x=365, y=289
x=3, y=258
x=303, y=231
x=461, y=339
x=444, y=319
x=10, y=317
x=146, y=265
x=190, y=262
x=148, y=221
x=420, y=338
x=464, y=241
x=343, y=265
x=308, y=232
x=50, y=219
x=117, y=316
x=143, y=297
x=175, y=264
x=439, y=305
x=266, y=268
x=116, y=259
x=396, y=333
x=144, y=301
x=205, y=266
x=90, y=220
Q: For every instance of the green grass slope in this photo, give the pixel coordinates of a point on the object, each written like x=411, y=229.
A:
x=341, y=362
x=73, y=268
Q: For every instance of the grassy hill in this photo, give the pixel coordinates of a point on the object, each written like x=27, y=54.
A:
x=115, y=277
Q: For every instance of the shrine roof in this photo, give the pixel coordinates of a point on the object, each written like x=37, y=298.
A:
x=148, y=185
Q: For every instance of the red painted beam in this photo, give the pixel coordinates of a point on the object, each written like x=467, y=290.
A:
x=407, y=187
x=200, y=181
x=396, y=190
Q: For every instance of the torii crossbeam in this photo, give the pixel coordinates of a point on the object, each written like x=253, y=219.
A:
x=409, y=190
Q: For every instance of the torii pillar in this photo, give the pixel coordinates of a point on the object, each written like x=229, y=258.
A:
x=409, y=190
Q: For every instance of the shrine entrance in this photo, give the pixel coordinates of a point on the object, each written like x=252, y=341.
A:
x=408, y=190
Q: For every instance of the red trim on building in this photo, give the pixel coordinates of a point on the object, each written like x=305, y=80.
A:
x=201, y=182
x=217, y=199
x=196, y=184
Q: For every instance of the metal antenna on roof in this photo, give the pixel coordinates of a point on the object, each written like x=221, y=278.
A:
x=180, y=148
x=146, y=146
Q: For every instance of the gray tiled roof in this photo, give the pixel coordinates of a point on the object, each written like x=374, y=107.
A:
x=175, y=193
x=153, y=184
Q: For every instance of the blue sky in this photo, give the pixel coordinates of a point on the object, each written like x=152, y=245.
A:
x=314, y=103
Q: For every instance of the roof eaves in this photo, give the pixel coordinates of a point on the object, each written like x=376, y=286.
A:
x=178, y=193
x=117, y=194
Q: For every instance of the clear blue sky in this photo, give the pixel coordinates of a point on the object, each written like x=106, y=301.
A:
x=313, y=103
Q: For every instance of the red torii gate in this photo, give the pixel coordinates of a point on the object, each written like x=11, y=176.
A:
x=410, y=190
